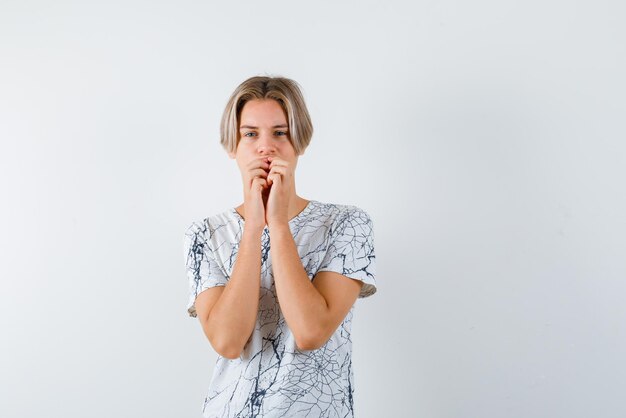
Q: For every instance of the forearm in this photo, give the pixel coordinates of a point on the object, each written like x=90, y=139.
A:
x=303, y=307
x=233, y=316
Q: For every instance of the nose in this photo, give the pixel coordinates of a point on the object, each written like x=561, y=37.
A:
x=265, y=145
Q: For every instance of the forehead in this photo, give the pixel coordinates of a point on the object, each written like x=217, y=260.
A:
x=262, y=112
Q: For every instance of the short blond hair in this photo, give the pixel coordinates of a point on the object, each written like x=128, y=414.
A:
x=286, y=92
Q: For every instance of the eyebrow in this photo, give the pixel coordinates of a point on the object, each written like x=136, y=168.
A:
x=255, y=127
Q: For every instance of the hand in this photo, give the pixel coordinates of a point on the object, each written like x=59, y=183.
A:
x=280, y=180
x=256, y=191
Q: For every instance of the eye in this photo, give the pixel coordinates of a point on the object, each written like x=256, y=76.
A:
x=280, y=133
x=249, y=134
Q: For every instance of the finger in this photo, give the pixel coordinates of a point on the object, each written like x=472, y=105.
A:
x=272, y=175
x=278, y=162
x=274, y=178
x=258, y=162
x=258, y=172
x=259, y=183
x=281, y=170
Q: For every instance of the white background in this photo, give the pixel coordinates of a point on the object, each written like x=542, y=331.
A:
x=485, y=139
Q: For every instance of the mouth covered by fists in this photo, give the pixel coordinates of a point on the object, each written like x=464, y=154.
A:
x=266, y=195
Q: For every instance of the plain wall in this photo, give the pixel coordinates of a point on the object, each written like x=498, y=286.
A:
x=485, y=139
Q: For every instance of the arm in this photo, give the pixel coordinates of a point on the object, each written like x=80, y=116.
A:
x=230, y=321
x=313, y=311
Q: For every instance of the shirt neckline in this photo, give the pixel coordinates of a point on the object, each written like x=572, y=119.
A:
x=303, y=212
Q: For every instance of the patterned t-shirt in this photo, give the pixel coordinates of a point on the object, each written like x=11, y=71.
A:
x=273, y=377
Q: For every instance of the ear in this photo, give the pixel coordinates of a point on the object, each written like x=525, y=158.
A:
x=231, y=155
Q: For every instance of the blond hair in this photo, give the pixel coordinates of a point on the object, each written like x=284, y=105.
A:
x=286, y=92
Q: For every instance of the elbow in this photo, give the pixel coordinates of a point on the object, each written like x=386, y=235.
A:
x=230, y=354
x=310, y=342
x=306, y=346
x=229, y=351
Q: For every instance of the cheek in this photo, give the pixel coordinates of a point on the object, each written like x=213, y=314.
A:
x=287, y=149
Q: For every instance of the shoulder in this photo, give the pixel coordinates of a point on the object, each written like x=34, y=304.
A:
x=206, y=228
x=341, y=213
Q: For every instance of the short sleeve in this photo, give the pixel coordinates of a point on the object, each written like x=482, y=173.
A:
x=203, y=271
x=350, y=249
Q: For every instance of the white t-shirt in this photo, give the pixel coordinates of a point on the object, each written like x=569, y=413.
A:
x=272, y=377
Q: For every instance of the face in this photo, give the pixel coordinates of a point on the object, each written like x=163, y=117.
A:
x=263, y=131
